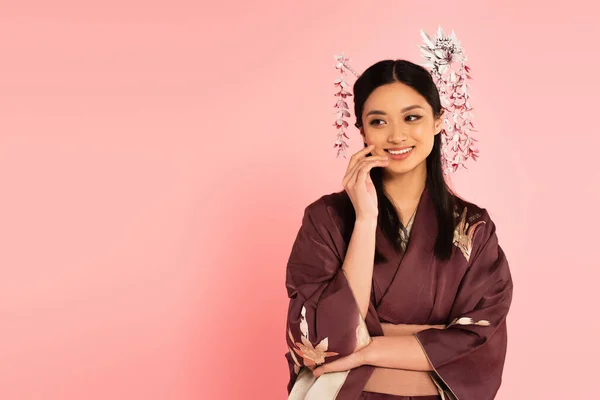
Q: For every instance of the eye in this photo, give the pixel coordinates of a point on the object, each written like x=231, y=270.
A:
x=416, y=118
x=376, y=121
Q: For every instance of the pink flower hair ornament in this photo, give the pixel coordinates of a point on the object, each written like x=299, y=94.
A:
x=446, y=61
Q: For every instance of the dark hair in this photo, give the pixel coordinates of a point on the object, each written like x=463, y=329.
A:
x=417, y=77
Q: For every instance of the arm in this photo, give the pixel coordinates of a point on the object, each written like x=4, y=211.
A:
x=324, y=317
x=399, y=352
x=394, y=352
x=359, y=260
x=398, y=348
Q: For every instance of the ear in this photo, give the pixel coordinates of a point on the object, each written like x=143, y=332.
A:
x=439, y=123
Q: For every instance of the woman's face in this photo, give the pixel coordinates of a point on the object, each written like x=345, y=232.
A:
x=397, y=118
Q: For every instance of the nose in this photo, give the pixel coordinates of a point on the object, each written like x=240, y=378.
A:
x=397, y=134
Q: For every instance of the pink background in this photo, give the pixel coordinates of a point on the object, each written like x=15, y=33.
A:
x=156, y=158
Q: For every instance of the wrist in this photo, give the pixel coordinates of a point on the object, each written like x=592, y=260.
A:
x=387, y=329
x=370, y=353
x=366, y=221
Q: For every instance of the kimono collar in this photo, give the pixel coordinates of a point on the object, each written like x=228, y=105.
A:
x=423, y=231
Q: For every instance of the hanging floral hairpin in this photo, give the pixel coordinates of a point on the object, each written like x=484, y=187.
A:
x=341, y=106
x=446, y=61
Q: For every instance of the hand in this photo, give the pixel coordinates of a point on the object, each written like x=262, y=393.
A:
x=354, y=360
x=358, y=183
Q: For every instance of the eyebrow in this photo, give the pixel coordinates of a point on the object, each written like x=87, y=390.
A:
x=405, y=109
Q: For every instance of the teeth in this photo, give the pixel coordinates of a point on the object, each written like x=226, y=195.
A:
x=400, y=152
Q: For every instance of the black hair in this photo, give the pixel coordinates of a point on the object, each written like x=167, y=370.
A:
x=418, y=78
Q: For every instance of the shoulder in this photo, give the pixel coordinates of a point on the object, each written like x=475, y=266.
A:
x=471, y=212
x=325, y=222
x=333, y=205
x=332, y=214
x=475, y=229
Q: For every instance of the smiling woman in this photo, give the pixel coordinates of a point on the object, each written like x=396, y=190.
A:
x=398, y=288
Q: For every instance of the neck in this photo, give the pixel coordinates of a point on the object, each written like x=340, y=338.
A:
x=405, y=189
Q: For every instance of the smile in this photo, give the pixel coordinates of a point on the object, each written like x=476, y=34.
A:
x=400, y=154
x=404, y=151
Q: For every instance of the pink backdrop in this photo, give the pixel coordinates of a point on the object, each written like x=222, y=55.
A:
x=156, y=158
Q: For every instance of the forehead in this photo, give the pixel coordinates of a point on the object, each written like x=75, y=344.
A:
x=394, y=96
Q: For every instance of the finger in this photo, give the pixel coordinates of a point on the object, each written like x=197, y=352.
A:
x=359, y=155
x=360, y=176
x=351, y=179
x=343, y=364
x=363, y=172
x=351, y=174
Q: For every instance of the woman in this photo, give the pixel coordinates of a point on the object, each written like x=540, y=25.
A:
x=398, y=288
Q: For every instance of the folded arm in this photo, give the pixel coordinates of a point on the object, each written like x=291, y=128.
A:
x=397, y=349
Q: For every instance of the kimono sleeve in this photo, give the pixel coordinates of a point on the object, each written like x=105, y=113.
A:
x=324, y=321
x=468, y=356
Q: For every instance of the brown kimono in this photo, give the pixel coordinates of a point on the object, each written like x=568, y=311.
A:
x=470, y=294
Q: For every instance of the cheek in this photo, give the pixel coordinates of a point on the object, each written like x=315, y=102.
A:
x=423, y=134
x=424, y=138
x=421, y=131
x=375, y=136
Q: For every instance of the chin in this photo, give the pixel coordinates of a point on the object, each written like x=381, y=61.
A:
x=402, y=168
x=398, y=170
